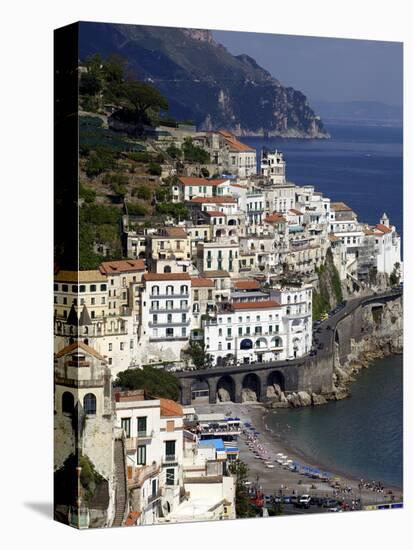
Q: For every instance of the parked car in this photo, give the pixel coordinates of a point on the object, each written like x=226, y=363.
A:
x=329, y=503
x=318, y=501
x=304, y=501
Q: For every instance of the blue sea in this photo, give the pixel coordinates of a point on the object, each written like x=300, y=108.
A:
x=361, y=436
x=360, y=165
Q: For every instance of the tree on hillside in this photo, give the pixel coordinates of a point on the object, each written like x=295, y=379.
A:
x=89, y=84
x=193, y=153
x=156, y=382
x=395, y=275
x=197, y=355
x=139, y=102
x=174, y=151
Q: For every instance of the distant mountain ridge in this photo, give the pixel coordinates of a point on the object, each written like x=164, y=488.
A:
x=359, y=111
x=204, y=82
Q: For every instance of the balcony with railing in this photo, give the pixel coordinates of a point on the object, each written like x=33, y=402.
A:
x=168, y=337
x=177, y=296
x=170, y=324
x=142, y=473
x=132, y=442
x=179, y=309
x=155, y=496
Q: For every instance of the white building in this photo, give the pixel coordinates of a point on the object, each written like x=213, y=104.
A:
x=273, y=166
x=275, y=328
x=344, y=225
x=222, y=255
x=154, y=442
x=186, y=188
x=387, y=243
x=241, y=159
x=166, y=306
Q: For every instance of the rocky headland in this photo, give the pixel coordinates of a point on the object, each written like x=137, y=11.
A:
x=204, y=82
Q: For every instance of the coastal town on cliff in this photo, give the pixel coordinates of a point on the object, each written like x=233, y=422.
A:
x=211, y=292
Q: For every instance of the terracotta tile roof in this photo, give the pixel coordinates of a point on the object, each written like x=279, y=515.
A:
x=214, y=200
x=383, y=228
x=239, y=185
x=295, y=211
x=275, y=218
x=174, y=232
x=215, y=274
x=340, y=207
x=201, y=181
x=215, y=213
x=90, y=276
x=226, y=133
x=199, y=282
x=264, y=304
x=132, y=518
x=76, y=345
x=233, y=142
x=238, y=146
x=170, y=408
x=166, y=276
x=247, y=284
x=122, y=266
x=333, y=238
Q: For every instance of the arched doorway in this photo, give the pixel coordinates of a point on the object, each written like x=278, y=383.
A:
x=226, y=389
x=246, y=343
x=251, y=387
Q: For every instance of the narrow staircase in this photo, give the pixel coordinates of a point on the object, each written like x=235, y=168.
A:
x=121, y=490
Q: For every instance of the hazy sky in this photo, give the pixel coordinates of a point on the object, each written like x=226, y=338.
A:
x=328, y=69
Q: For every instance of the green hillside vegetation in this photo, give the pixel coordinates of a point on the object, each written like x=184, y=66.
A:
x=330, y=292
x=155, y=382
x=120, y=172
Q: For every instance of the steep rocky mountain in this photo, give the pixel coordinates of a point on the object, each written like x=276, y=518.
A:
x=204, y=82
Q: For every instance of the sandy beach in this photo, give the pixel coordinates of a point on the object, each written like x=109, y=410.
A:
x=279, y=479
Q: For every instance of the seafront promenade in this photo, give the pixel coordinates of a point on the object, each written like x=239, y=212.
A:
x=281, y=480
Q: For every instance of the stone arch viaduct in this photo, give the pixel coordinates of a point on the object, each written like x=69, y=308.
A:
x=312, y=374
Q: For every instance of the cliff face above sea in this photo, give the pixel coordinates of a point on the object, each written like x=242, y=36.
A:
x=204, y=82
